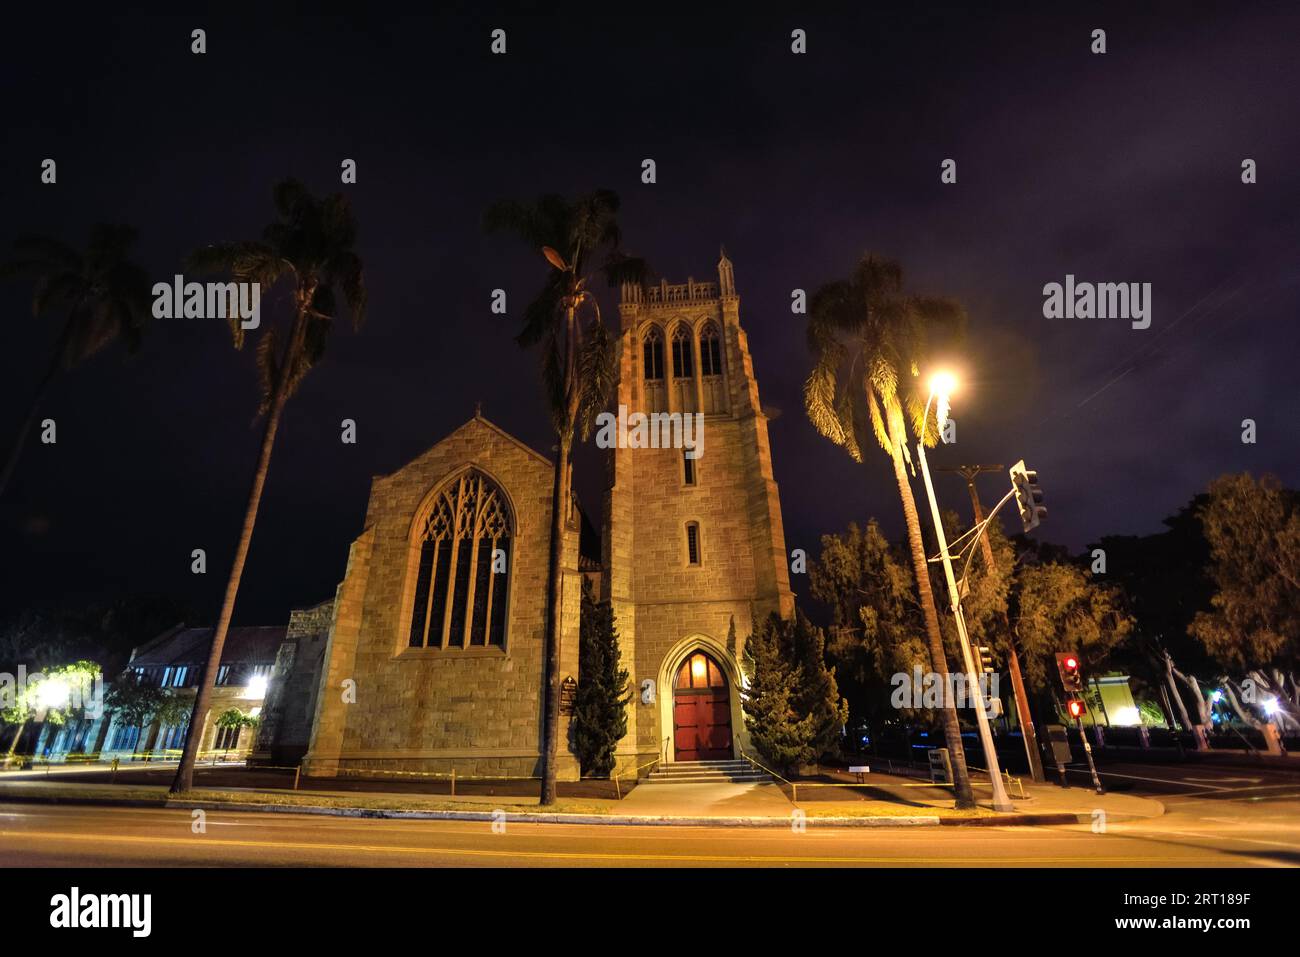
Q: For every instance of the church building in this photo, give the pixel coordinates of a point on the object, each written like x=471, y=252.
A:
x=434, y=659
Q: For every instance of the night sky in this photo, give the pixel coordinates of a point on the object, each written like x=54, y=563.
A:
x=1123, y=167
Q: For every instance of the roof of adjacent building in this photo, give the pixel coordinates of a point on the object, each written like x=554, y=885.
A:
x=190, y=646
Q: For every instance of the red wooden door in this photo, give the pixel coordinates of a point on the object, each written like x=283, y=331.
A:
x=701, y=712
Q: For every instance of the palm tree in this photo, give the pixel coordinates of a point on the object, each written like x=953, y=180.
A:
x=312, y=246
x=577, y=369
x=104, y=295
x=870, y=340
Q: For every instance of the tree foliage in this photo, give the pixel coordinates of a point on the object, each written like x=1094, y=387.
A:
x=311, y=244
x=1062, y=607
x=55, y=694
x=869, y=337
x=580, y=238
x=102, y=295
x=136, y=703
x=600, y=708
x=876, y=626
x=1253, y=529
x=792, y=707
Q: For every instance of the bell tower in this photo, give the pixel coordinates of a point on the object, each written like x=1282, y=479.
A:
x=693, y=549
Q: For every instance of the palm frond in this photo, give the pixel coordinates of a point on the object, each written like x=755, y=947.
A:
x=596, y=375
x=59, y=290
x=34, y=254
x=292, y=199
x=820, y=403
x=542, y=315
x=268, y=366
x=553, y=379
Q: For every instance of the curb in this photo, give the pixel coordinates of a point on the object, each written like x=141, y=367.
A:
x=618, y=820
x=1017, y=820
x=625, y=820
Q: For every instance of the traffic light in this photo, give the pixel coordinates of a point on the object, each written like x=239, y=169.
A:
x=984, y=658
x=1076, y=707
x=1028, y=495
x=1067, y=663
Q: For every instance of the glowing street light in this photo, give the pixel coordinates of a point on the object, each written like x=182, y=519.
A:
x=256, y=687
x=943, y=384
x=53, y=693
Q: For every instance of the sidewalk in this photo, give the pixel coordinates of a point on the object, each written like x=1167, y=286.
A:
x=829, y=796
x=707, y=800
x=753, y=805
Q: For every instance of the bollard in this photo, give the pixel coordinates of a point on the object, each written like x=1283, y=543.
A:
x=453, y=782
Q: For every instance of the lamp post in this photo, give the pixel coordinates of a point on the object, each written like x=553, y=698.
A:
x=1027, y=732
x=942, y=385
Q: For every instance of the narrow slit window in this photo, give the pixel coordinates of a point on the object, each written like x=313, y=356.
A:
x=692, y=544
x=688, y=469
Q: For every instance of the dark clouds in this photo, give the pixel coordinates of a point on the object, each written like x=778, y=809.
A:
x=1123, y=167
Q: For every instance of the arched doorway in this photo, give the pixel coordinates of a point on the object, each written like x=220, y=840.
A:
x=701, y=711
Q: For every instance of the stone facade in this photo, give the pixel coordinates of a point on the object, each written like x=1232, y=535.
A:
x=666, y=606
x=384, y=705
x=290, y=705
x=389, y=701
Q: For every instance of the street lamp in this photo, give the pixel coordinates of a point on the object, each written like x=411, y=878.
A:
x=942, y=385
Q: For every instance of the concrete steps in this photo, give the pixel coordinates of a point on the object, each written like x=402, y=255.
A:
x=708, y=772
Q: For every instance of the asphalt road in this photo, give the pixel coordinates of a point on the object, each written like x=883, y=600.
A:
x=1216, y=817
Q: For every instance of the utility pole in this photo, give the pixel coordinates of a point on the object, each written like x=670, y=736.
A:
x=1001, y=802
x=968, y=472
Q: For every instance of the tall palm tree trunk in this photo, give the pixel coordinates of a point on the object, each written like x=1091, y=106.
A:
x=938, y=658
x=561, y=491
x=20, y=440
x=185, y=772
x=13, y=744
x=555, y=580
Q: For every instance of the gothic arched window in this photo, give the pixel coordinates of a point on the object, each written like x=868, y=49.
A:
x=460, y=584
x=698, y=671
x=682, y=352
x=710, y=350
x=653, y=353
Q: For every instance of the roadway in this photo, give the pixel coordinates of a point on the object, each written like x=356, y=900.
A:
x=1216, y=817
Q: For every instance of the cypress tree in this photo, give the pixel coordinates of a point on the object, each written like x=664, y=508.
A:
x=819, y=695
x=780, y=735
x=792, y=707
x=599, y=709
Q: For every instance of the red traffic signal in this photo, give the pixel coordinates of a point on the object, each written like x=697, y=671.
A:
x=1067, y=665
x=1076, y=707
